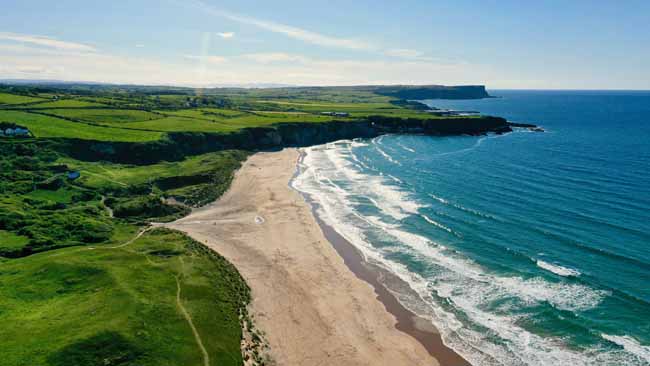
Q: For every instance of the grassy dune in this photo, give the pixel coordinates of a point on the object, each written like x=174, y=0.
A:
x=116, y=304
x=103, y=176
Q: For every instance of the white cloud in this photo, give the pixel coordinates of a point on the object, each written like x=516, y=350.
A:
x=276, y=68
x=309, y=36
x=403, y=53
x=209, y=59
x=287, y=30
x=271, y=57
x=226, y=35
x=46, y=42
x=139, y=46
x=45, y=58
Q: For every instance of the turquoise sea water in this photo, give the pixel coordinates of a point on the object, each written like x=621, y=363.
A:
x=523, y=249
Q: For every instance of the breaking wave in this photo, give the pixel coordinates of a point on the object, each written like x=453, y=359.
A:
x=480, y=312
x=558, y=270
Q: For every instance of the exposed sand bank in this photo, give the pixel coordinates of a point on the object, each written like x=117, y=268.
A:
x=312, y=307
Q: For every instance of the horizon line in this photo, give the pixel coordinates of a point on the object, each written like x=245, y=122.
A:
x=13, y=81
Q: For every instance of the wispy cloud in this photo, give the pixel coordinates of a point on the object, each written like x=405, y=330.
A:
x=46, y=42
x=307, y=35
x=403, y=53
x=226, y=35
x=287, y=30
x=25, y=56
x=208, y=59
x=270, y=57
x=208, y=70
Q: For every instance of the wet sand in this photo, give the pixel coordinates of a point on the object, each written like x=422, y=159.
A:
x=315, y=299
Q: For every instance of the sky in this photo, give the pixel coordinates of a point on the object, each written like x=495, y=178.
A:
x=504, y=44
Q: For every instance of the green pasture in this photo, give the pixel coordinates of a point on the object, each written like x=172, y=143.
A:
x=120, y=304
x=48, y=126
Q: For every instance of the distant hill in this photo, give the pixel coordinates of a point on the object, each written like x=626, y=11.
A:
x=433, y=92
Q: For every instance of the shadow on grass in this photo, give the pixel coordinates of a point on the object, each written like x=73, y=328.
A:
x=102, y=349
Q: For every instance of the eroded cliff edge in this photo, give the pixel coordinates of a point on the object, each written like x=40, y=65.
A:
x=176, y=146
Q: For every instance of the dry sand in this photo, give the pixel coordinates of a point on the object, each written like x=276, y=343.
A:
x=312, y=307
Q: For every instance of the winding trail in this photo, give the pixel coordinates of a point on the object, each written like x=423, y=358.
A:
x=140, y=233
x=105, y=178
x=179, y=301
x=186, y=314
x=108, y=209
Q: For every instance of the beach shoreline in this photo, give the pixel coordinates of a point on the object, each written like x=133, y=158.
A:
x=307, y=299
x=408, y=322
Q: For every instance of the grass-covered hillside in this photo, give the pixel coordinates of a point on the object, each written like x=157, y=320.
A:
x=138, y=115
x=84, y=170
x=83, y=283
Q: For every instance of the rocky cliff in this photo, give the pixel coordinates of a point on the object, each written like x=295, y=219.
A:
x=433, y=92
x=176, y=146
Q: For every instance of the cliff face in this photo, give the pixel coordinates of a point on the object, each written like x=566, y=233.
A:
x=179, y=145
x=434, y=92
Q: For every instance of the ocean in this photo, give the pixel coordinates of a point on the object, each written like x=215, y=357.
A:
x=525, y=248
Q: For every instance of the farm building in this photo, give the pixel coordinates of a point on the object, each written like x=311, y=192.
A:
x=336, y=114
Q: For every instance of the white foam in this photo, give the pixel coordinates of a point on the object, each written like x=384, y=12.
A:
x=468, y=149
x=631, y=345
x=388, y=157
x=439, y=225
x=470, y=291
x=439, y=199
x=394, y=178
x=332, y=164
x=406, y=148
x=357, y=143
x=463, y=208
x=557, y=269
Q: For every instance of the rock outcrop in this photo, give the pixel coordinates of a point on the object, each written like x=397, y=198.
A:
x=423, y=92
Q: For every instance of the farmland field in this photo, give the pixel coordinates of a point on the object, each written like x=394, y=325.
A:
x=65, y=103
x=6, y=98
x=104, y=115
x=46, y=126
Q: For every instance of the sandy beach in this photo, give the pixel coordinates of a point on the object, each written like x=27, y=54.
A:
x=312, y=307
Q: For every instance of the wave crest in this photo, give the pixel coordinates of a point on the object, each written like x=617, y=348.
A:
x=557, y=269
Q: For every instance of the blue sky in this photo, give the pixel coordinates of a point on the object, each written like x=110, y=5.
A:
x=503, y=44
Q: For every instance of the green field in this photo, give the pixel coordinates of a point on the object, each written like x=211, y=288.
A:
x=105, y=175
x=47, y=126
x=11, y=241
x=130, y=117
x=61, y=195
x=80, y=287
x=6, y=98
x=219, y=125
x=117, y=304
x=104, y=115
x=65, y=103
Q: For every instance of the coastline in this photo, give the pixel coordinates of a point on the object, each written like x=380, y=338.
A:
x=406, y=321
x=310, y=306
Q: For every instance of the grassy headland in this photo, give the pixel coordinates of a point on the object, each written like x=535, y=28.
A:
x=82, y=279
